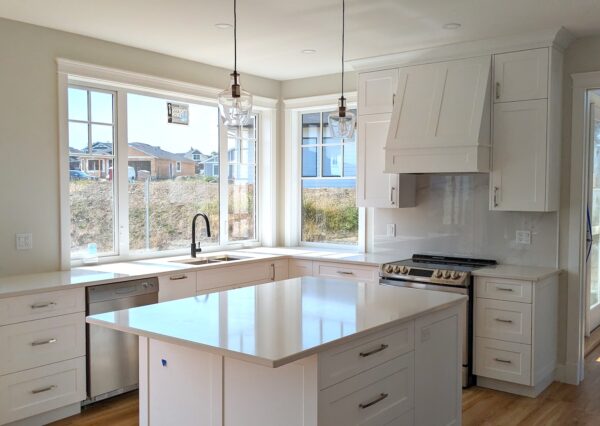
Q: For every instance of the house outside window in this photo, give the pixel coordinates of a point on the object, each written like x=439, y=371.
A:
x=328, y=183
x=178, y=168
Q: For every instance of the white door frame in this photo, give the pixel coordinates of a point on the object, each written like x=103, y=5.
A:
x=576, y=266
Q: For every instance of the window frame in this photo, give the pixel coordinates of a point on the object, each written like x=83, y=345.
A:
x=71, y=73
x=294, y=108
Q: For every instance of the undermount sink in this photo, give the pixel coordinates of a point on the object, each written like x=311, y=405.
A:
x=210, y=259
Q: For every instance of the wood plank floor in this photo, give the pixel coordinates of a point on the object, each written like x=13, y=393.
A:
x=559, y=405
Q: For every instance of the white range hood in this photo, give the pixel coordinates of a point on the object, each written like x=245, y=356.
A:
x=441, y=118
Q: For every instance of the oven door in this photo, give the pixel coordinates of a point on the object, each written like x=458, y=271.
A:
x=465, y=318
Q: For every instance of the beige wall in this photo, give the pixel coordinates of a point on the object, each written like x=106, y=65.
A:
x=29, y=127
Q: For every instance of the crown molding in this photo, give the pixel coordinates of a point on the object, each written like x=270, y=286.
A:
x=318, y=101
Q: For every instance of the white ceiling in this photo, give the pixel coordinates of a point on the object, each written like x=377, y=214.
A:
x=272, y=33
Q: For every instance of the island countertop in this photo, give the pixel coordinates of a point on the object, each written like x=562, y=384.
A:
x=281, y=322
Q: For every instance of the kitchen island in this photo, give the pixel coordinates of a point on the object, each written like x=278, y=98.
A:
x=304, y=351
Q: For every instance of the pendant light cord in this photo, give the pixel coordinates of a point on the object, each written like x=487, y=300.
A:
x=235, y=36
x=343, y=40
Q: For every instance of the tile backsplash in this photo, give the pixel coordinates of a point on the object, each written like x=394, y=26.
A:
x=452, y=217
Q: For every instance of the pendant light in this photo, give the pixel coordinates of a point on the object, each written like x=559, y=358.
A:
x=235, y=104
x=342, y=122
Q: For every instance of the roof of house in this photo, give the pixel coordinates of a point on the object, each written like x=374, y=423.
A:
x=157, y=152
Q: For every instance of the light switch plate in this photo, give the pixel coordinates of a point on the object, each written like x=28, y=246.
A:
x=523, y=237
x=24, y=241
x=391, y=230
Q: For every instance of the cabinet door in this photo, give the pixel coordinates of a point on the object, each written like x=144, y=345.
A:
x=176, y=286
x=521, y=76
x=518, y=178
x=376, y=188
x=376, y=91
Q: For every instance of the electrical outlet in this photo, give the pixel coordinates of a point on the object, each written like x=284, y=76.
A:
x=523, y=237
x=24, y=241
x=391, y=230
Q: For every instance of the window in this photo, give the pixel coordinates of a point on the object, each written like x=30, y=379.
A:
x=172, y=172
x=91, y=126
x=328, y=188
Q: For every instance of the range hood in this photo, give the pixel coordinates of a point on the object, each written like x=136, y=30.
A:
x=441, y=118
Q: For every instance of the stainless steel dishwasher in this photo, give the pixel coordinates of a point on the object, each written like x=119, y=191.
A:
x=112, y=356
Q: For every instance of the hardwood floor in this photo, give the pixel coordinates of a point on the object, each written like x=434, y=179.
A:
x=559, y=405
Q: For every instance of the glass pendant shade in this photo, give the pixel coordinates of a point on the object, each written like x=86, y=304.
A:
x=342, y=122
x=235, y=104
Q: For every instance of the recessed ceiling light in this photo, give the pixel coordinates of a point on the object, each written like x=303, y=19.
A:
x=452, y=26
x=309, y=51
x=223, y=25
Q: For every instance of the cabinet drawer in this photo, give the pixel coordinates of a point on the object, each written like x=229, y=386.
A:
x=376, y=397
x=41, y=305
x=352, y=358
x=176, y=286
x=41, y=389
x=234, y=276
x=502, y=320
x=301, y=268
x=35, y=343
x=503, y=289
x=503, y=360
x=347, y=271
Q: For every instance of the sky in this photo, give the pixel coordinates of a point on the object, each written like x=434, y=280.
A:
x=146, y=122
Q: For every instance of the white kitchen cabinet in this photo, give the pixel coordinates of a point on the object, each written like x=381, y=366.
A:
x=240, y=275
x=176, y=286
x=374, y=187
x=520, y=76
x=300, y=268
x=376, y=91
x=520, y=157
x=346, y=271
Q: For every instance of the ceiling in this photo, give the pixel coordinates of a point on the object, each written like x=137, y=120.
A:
x=272, y=33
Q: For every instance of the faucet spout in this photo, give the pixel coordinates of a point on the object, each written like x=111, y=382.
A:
x=195, y=248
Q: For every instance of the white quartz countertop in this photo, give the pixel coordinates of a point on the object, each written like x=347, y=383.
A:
x=515, y=272
x=277, y=323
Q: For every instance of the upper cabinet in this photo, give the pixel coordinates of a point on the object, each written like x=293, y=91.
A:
x=376, y=91
x=441, y=118
x=521, y=76
x=525, y=172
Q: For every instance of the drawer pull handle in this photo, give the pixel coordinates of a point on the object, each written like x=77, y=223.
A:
x=504, y=320
x=46, y=389
x=42, y=305
x=374, y=351
x=43, y=342
x=504, y=361
x=504, y=289
x=380, y=398
x=345, y=272
x=178, y=277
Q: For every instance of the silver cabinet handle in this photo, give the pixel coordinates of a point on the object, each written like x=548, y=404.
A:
x=380, y=398
x=42, y=305
x=43, y=342
x=504, y=361
x=393, y=99
x=374, y=351
x=46, y=389
x=497, y=90
x=272, y=272
x=496, y=189
x=178, y=277
x=345, y=272
x=392, y=202
x=504, y=289
x=504, y=320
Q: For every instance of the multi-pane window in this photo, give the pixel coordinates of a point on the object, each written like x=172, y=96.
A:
x=328, y=173
x=172, y=174
x=91, y=121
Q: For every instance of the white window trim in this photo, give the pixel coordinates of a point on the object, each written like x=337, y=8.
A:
x=93, y=76
x=294, y=108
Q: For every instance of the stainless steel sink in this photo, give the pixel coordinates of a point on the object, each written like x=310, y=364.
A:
x=210, y=259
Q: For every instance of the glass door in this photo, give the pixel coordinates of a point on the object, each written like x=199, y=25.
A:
x=593, y=215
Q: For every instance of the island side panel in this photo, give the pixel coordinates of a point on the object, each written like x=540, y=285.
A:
x=438, y=381
x=179, y=385
x=255, y=395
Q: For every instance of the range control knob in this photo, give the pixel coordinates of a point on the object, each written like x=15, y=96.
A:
x=447, y=274
x=455, y=275
x=438, y=274
x=389, y=269
x=403, y=270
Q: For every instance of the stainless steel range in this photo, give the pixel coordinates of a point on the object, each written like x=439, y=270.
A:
x=441, y=273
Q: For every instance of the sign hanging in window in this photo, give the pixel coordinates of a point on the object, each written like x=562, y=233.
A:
x=178, y=113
